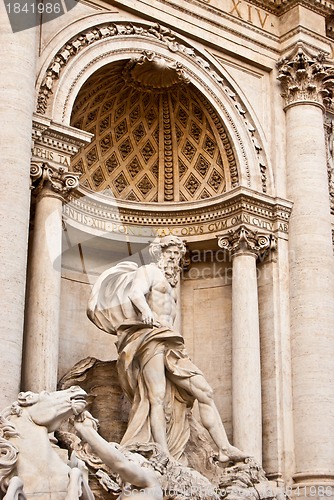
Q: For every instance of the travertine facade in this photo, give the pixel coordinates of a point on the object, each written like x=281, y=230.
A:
x=211, y=120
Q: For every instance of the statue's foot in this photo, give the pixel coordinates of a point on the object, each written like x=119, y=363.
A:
x=232, y=454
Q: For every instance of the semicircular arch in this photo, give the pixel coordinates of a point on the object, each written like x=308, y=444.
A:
x=61, y=80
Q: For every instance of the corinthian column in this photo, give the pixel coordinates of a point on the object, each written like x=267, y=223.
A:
x=245, y=246
x=306, y=83
x=43, y=300
x=17, y=62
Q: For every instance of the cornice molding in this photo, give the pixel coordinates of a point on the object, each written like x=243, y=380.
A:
x=203, y=219
x=278, y=7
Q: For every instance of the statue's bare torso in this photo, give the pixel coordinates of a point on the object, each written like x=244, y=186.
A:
x=153, y=296
x=161, y=298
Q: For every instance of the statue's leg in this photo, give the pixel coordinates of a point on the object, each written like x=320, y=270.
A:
x=77, y=487
x=201, y=390
x=155, y=381
x=15, y=490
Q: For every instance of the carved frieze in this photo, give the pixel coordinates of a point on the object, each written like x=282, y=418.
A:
x=245, y=239
x=204, y=221
x=306, y=78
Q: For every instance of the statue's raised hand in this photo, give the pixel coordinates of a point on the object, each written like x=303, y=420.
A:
x=85, y=421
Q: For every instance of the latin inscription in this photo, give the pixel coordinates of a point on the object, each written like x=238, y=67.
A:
x=181, y=231
x=49, y=155
x=245, y=11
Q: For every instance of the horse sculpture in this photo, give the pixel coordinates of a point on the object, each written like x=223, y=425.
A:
x=30, y=467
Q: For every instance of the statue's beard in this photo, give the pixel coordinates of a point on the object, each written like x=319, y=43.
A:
x=170, y=270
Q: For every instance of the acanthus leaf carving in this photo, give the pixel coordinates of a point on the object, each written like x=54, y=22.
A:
x=306, y=77
x=153, y=73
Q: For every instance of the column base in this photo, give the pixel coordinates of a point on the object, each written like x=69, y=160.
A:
x=317, y=486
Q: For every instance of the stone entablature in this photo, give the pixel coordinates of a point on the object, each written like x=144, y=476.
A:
x=56, y=181
x=276, y=7
x=55, y=143
x=193, y=221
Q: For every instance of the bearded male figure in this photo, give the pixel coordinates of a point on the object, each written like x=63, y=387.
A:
x=139, y=305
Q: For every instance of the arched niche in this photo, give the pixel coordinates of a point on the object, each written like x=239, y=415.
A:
x=88, y=53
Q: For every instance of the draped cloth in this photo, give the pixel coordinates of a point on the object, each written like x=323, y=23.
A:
x=111, y=310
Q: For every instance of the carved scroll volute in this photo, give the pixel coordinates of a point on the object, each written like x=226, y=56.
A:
x=57, y=182
x=244, y=239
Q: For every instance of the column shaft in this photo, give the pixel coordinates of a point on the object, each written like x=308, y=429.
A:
x=246, y=369
x=17, y=60
x=311, y=290
x=43, y=301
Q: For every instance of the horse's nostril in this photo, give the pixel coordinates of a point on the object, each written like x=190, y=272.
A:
x=75, y=388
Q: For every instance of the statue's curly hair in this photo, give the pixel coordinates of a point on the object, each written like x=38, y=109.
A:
x=156, y=246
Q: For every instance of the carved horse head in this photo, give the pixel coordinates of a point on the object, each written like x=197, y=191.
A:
x=25, y=448
x=49, y=409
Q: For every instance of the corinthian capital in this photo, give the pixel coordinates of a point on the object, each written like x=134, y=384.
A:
x=244, y=239
x=56, y=181
x=305, y=78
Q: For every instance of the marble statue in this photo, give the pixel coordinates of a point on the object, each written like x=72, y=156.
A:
x=139, y=483
x=30, y=466
x=139, y=305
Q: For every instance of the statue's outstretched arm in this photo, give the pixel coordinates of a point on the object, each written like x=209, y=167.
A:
x=119, y=464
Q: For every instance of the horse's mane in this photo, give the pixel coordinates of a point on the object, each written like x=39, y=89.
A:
x=8, y=452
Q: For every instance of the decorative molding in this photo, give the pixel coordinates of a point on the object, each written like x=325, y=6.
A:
x=45, y=178
x=306, y=78
x=201, y=220
x=153, y=73
x=244, y=239
x=169, y=169
x=278, y=7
